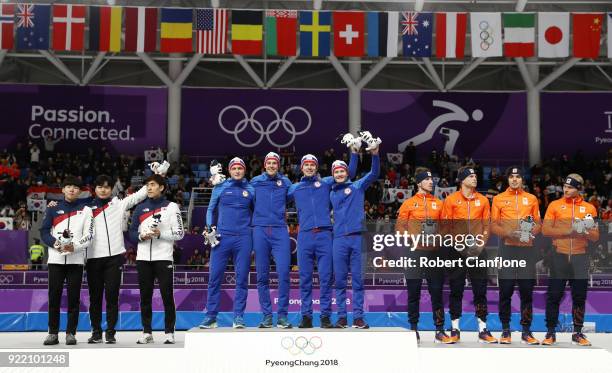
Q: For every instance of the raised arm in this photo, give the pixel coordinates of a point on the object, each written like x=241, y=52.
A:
x=372, y=175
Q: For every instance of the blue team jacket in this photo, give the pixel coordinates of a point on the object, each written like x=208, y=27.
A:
x=347, y=200
x=231, y=206
x=311, y=195
x=270, y=200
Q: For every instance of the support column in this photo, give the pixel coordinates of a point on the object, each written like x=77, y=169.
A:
x=174, y=109
x=533, y=116
x=354, y=91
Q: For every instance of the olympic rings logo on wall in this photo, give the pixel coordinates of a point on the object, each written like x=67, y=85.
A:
x=6, y=279
x=265, y=130
x=301, y=344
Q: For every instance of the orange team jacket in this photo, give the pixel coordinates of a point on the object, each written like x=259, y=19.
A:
x=461, y=215
x=415, y=210
x=507, y=211
x=558, y=224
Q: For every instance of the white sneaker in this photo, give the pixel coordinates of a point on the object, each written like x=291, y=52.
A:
x=145, y=339
x=169, y=339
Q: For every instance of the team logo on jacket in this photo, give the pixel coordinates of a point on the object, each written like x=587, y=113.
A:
x=434, y=206
x=145, y=210
x=477, y=203
x=245, y=193
x=562, y=207
x=279, y=183
x=525, y=201
x=507, y=203
x=347, y=191
x=317, y=184
x=582, y=209
x=59, y=212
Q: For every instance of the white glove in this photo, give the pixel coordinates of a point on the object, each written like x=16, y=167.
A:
x=211, y=237
x=216, y=169
x=372, y=142
x=217, y=179
x=160, y=169
x=351, y=141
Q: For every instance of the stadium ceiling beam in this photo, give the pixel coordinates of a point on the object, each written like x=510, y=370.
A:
x=2, y=55
x=93, y=68
x=281, y=70
x=373, y=72
x=162, y=74
x=467, y=69
x=342, y=72
x=224, y=76
x=60, y=66
x=520, y=62
x=557, y=73
x=306, y=76
x=520, y=5
x=433, y=74
x=604, y=73
x=249, y=70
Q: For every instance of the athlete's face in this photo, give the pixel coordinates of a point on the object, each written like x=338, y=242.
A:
x=569, y=191
x=470, y=181
x=427, y=185
x=340, y=175
x=515, y=181
x=271, y=167
x=237, y=172
x=154, y=190
x=104, y=191
x=309, y=169
x=71, y=192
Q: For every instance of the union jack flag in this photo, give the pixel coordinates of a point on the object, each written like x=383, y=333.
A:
x=410, y=23
x=25, y=15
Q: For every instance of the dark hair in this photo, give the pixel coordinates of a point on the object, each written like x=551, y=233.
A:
x=72, y=180
x=157, y=179
x=103, y=179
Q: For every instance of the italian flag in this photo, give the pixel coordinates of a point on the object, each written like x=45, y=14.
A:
x=519, y=34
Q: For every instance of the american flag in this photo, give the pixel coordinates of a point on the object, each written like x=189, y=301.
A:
x=211, y=31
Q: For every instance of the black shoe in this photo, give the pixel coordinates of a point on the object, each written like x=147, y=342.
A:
x=306, y=323
x=418, y=336
x=110, y=337
x=342, y=323
x=51, y=340
x=95, y=338
x=70, y=339
x=326, y=322
x=360, y=323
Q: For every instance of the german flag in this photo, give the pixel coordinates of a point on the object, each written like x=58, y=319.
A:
x=105, y=28
x=176, y=30
x=247, y=32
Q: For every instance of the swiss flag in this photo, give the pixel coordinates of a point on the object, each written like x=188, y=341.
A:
x=587, y=34
x=349, y=34
x=68, y=27
x=450, y=34
x=7, y=13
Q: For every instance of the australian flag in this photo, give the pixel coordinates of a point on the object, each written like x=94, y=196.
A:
x=417, y=31
x=32, y=23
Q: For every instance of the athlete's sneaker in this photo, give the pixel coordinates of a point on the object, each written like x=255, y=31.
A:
x=70, y=339
x=485, y=336
x=51, y=339
x=528, y=339
x=109, y=336
x=506, y=337
x=208, y=323
x=145, y=339
x=580, y=340
x=169, y=339
x=442, y=337
x=360, y=323
x=305, y=323
x=95, y=338
x=326, y=322
x=266, y=323
x=238, y=323
x=455, y=335
x=550, y=339
x=342, y=323
x=283, y=323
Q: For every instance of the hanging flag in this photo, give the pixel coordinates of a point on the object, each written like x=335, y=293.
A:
x=587, y=34
x=68, y=27
x=247, y=32
x=140, y=29
x=315, y=28
x=383, y=30
x=400, y=195
x=609, y=17
x=6, y=224
x=395, y=158
x=176, y=30
x=553, y=35
x=442, y=193
x=7, y=24
x=519, y=34
x=105, y=28
x=211, y=31
x=417, y=31
x=39, y=205
x=32, y=26
x=281, y=28
x=349, y=34
x=451, y=29
x=486, y=34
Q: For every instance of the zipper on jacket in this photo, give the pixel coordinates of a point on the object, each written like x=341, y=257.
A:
x=107, y=236
x=569, y=258
x=66, y=256
x=151, y=250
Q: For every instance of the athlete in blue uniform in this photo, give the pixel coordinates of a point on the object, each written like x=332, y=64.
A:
x=230, y=209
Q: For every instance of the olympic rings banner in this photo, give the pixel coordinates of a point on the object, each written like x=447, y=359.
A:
x=122, y=119
x=248, y=121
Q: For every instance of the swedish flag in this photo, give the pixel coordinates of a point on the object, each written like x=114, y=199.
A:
x=315, y=29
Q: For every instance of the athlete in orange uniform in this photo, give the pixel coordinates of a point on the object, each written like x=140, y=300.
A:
x=421, y=215
x=515, y=218
x=569, y=221
x=465, y=215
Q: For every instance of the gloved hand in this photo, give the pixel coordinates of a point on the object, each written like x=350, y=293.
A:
x=211, y=237
x=160, y=169
x=217, y=179
x=354, y=143
x=372, y=142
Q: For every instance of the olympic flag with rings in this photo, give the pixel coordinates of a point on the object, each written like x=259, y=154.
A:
x=246, y=121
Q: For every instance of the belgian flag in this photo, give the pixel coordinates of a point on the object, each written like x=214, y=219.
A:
x=247, y=32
